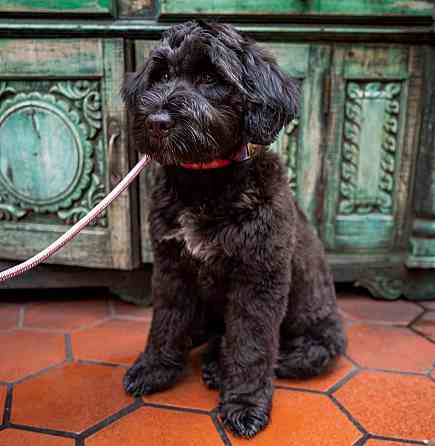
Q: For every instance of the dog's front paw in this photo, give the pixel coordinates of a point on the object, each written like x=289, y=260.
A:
x=145, y=377
x=243, y=421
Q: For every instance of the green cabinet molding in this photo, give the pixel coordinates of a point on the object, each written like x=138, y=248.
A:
x=57, y=6
x=360, y=156
x=299, y=7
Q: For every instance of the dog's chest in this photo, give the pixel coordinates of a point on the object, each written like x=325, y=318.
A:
x=198, y=233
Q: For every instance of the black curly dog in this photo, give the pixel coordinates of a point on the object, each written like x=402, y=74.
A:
x=236, y=263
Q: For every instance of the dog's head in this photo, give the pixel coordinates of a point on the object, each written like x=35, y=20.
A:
x=204, y=92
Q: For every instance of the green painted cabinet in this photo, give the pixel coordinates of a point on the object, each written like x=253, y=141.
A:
x=360, y=156
x=61, y=129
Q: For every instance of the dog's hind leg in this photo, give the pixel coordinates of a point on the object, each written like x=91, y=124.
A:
x=311, y=335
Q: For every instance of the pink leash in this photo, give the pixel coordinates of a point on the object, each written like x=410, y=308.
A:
x=74, y=230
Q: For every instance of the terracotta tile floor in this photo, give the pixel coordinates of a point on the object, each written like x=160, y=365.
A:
x=62, y=362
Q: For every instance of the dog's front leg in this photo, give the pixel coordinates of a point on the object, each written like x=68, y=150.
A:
x=249, y=351
x=164, y=358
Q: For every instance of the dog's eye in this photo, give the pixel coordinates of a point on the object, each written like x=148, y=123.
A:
x=207, y=78
x=165, y=76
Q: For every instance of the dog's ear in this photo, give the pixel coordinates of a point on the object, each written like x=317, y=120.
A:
x=272, y=97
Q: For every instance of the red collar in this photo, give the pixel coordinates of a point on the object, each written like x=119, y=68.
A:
x=245, y=153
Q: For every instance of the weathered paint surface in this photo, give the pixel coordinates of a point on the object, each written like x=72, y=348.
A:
x=252, y=7
x=58, y=6
x=133, y=7
x=33, y=57
x=59, y=109
x=422, y=242
x=370, y=149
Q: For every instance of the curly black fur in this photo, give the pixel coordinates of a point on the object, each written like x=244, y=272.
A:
x=236, y=264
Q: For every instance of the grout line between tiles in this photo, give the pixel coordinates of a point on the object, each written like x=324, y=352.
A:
x=397, y=439
x=39, y=372
x=352, y=361
x=8, y=405
x=43, y=430
x=299, y=389
x=348, y=415
x=111, y=419
x=362, y=440
x=68, y=348
x=219, y=428
x=396, y=372
x=124, y=317
x=423, y=335
x=417, y=318
x=342, y=381
x=102, y=363
x=21, y=316
x=79, y=442
x=112, y=311
x=176, y=408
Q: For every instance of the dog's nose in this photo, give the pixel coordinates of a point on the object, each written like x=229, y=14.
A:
x=159, y=123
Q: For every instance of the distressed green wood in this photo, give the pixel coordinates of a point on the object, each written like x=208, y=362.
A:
x=134, y=7
x=327, y=7
x=148, y=29
x=54, y=138
x=142, y=50
x=366, y=149
x=57, y=6
x=32, y=57
x=422, y=241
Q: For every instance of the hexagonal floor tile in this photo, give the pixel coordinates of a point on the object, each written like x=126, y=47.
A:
x=426, y=324
x=322, y=383
x=161, y=427
x=9, y=314
x=391, y=404
x=70, y=398
x=358, y=308
x=66, y=315
x=16, y=437
x=394, y=348
x=124, y=309
x=115, y=341
x=304, y=419
x=189, y=392
x=26, y=352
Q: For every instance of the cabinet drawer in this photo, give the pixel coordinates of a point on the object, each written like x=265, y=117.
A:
x=61, y=118
x=58, y=6
x=299, y=7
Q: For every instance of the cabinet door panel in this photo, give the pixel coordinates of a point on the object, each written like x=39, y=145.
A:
x=55, y=129
x=368, y=156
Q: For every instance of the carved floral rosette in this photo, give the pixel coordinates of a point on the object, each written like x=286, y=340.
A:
x=59, y=132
